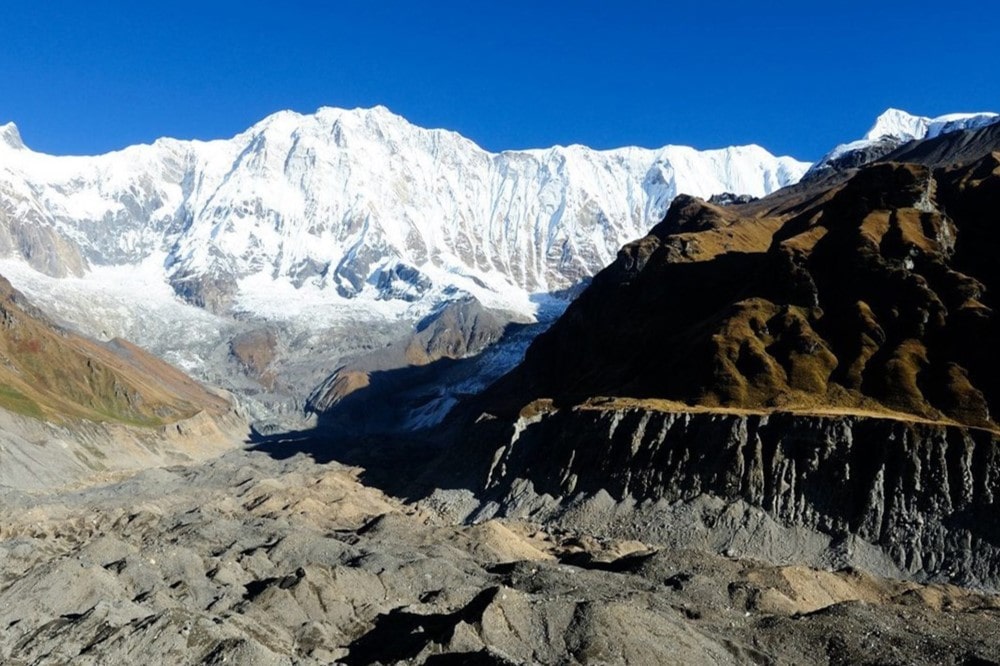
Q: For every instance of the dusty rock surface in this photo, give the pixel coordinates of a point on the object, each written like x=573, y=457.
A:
x=917, y=494
x=248, y=559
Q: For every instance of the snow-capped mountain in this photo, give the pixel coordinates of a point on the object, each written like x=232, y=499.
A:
x=263, y=262
x=891, y=130
x=902, y=125
x=361, y=203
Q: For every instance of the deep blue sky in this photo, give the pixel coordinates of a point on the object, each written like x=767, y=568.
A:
x=795, y=77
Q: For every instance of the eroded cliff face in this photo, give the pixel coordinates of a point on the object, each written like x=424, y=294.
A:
x=924, y=493
x=824, y=356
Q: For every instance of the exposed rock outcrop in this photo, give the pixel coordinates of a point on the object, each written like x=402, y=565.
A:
x=381, y=391
x=25, y=232
x=925, y=493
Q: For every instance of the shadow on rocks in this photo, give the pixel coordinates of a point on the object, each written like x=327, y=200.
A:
x=408, y=466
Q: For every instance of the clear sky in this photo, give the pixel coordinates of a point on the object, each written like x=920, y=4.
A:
x=794, y=77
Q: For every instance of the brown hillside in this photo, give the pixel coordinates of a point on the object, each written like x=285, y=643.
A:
x=874, y=293
x=49, y=373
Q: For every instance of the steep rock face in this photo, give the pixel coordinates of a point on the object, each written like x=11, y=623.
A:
x=925, y=493
x=26, y=232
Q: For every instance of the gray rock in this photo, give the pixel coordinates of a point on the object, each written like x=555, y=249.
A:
x=922, y=494
x=246, y=559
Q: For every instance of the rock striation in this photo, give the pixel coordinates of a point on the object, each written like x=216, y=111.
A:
x=925, y=493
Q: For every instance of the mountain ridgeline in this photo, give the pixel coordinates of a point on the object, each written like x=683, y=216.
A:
x=327, y=236
x=359, y=202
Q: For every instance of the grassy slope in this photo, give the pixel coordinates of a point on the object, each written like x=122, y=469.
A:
x=49, y=373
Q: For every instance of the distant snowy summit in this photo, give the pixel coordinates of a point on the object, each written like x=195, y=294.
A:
x=891, y=130
x=355, y=204
x=904, y=126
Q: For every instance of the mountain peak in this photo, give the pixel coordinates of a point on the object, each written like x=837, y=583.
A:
x=10, y=136
x=905, y=126
x=899, y=124
x=892, y=129
x=378, y=109
x=372, y=117
x=326, y=117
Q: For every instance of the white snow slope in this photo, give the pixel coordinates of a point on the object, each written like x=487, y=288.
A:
x=356, y=206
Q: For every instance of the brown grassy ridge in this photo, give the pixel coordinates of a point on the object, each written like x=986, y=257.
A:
x=870, y=295
x=52, y=374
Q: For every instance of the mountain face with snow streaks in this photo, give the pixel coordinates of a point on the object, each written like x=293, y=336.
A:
x=360, y=203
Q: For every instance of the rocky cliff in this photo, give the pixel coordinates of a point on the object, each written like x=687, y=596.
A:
x=922, y=492
x=824, y=355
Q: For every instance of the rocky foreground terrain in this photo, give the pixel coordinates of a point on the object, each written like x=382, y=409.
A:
x=252, y=560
